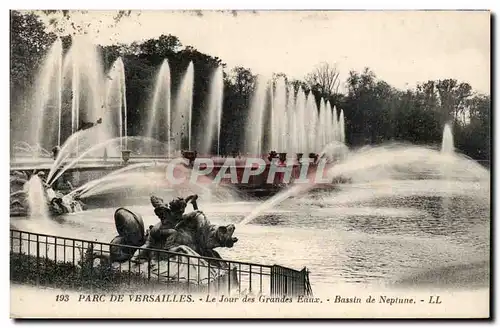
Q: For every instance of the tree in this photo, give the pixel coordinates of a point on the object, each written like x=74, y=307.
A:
x=243, y=81
x=297, y=84
x=29, y=43
x=453, y=97
x=325, y=79
x=164, y=46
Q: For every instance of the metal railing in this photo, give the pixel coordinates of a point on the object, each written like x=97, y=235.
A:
x=79, y=264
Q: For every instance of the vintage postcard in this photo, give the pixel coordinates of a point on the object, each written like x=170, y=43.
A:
x=249, y=164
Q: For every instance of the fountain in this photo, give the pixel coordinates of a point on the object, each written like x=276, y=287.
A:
x=297, y=125
x=181, y=125
x=161, y=103
x=76, y=81
x=116, y=103
x=372, y=164
x=290, y=144
x=214, y=112
x=83, y=74
x=447, y=146
x=328, y=123
x=336, y=124
x=48, y=99
x=37, y=202
x=447, y=149
x=388, y=172
x=341, y=126
x=311, y=122
x=301, y=124
x=255, y=123
x=278, y=124
x=97, y=118
x=321, y=140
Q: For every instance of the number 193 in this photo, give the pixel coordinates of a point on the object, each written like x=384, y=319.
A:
x=62, y=298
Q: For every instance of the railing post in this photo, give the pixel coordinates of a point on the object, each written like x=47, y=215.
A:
x=20, y=243
x=261, y=279
x=91, y=269
x=239, y=278
x=158, y=268
x=189, y=269
x=168, y=268
x=37, y=259
x=250, y=279
x=29, y=252
x=149, y=268
x=208, y=262
x=272, y=278
x=229, y=278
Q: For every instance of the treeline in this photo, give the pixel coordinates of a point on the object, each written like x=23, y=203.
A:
x=375, y=112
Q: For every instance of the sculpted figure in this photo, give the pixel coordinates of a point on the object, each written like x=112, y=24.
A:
x=58, y=203
x=189, y=233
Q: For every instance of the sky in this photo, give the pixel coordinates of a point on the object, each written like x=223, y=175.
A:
x=402, y=47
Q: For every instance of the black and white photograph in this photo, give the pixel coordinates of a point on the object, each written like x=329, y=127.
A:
x=250, y=164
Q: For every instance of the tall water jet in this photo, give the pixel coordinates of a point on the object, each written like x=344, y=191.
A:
x=272, y=141
x=214, y=112
x=37, y=201
x=447, y=149
x=83, y=76
x=301, y=124
x=75, y=100
x=161, y=103
x=278, y=125
x=335, y=119
x=289, y=123
x=342, y=126
x=116, y=102
x=255, y=123
x=447, y=146
x=312, y=122
x=329, y=123
x=181, y=126
x=47, y=100
x=320, y=138
x=59, y=78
